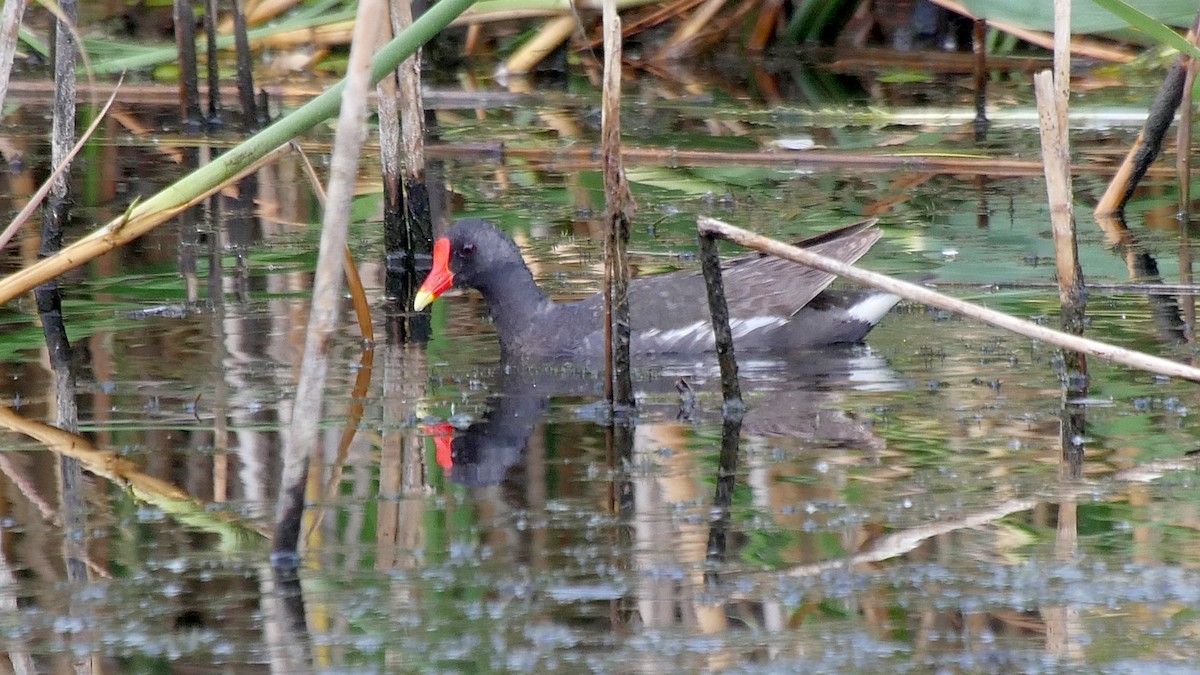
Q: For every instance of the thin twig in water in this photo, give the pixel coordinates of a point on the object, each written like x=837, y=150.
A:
x=358, y=294
x=38, y=196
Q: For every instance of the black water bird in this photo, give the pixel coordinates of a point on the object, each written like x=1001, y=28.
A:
x=774, y=304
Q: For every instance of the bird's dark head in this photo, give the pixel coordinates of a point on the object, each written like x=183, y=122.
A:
x=472, y=253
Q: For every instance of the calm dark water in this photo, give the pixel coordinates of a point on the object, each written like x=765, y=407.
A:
x=898, y=506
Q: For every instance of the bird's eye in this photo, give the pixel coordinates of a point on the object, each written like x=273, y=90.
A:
x=467, y=250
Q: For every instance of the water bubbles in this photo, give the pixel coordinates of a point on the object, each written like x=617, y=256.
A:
x=149, y=514
x=69, y=624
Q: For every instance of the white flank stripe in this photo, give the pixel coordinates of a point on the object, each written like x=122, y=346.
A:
x=743, y=327
x=691, y=331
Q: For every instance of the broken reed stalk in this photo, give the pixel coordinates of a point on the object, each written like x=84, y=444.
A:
x=414, y=216
x=1053, y=95
x=10, y=25
x=710, y=264
x=618, y=202
x=717, y=547
x=1149, y=141
x=1183, y=144
x=1183, y=167
x=245, y=70
x=189, y=72
x=56, y=214
x=979, y=46
x=394, y=242
x=915, y=293
x=412, y=138
x=349, y=137
x=210, y=62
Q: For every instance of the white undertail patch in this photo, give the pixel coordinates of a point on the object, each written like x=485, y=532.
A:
x=872, y=308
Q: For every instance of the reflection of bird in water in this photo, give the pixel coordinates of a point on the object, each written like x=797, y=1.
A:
x=661, y=488
x=796, y=398
x=481, y=454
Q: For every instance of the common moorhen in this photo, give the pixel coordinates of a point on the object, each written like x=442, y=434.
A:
x=774, y=304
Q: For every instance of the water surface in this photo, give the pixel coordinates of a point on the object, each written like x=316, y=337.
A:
x=896, y=506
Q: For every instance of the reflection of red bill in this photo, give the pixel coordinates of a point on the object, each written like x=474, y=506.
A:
x=443, y=436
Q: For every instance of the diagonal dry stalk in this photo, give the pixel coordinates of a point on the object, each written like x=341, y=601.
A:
x=358, y=294
x=915, y=293
x=27, y=210
x=128, y=475
x=1148, y=144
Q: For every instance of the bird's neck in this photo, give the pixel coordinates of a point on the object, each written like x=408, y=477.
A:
x=517, y=306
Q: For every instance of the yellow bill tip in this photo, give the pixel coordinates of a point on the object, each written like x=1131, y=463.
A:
x=422, y=300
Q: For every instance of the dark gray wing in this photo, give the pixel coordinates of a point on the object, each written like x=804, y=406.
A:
x=756, y=284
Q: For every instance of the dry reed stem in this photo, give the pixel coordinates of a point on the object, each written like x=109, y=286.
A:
x=661, y=14
x=259, y=12
x=412, y=106
x=303, y=439
x=1052, y=93
x=10, y=24
x=1148, y=143
x=113, y=235
x=549, y=37
x=119, y=470
x=699, y=21
x=1062, y=76
x=618, y=383
x=764, y=26
x=1083, y=46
